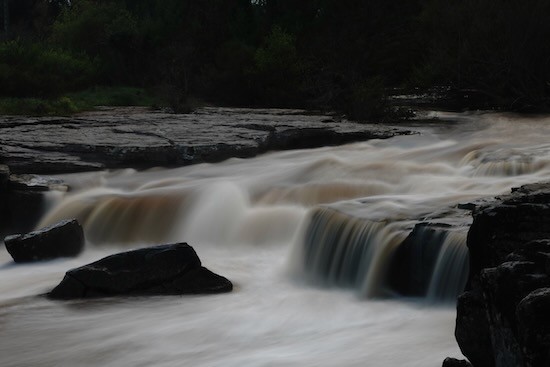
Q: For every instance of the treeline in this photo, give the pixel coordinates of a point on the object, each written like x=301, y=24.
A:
x=328, y=54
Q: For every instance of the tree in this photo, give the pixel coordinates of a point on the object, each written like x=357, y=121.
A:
x=499, y=48
x=6, y=17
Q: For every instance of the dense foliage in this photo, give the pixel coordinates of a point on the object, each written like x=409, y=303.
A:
x=331, y=54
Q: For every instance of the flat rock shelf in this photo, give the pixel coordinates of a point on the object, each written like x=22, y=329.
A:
x=138, y=137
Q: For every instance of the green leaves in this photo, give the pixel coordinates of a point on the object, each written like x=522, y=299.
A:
x=38, y=70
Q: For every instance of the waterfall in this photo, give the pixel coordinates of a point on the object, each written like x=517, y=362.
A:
x=507, y=162
x=378, y=258
x=339, y=250
x=451, y=269
x=115, y=216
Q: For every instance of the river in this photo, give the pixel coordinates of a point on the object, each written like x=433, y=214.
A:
x=309, y=238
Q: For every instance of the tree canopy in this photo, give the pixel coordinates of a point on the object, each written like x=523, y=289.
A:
x=331, y=54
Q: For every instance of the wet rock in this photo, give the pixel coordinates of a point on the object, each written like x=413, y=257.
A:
x=533, y=314
x=472, y=329
x=502, y=318
x=4, y=178
x=140, y=138
x=23, y=200
x=166, y=269
x=27, y=182
x=63, y=239
x=414, y=261
x=302, y=138
x=453, y=362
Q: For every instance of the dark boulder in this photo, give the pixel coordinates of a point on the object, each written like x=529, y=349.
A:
x=502, y=318
x=166, y=269
x=63, y=239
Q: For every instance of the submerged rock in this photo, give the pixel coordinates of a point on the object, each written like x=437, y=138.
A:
x=166, y=269
x=502, y=320
x=63, y=239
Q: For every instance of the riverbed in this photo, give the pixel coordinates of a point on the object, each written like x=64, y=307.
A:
x=256, y=221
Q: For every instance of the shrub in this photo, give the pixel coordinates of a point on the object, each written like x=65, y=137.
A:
x=367, y=100
x=33, y=106
x=277, y=70
x=36, y=70
x=103, y=31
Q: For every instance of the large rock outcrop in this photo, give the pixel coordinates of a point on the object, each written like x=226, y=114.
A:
x=137, y=137
x=503, y=319
x=63, y=239
x=166, y=269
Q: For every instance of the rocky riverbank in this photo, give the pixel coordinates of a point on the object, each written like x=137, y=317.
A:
x=142, y=138
x=503, y=317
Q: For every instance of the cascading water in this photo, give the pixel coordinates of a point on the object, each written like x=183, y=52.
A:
x=451, y=269
x=344, y=251
x=380, y=258
x=290, y=229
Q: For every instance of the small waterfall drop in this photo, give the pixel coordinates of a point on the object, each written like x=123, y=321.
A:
x=451, y=269
x=215, y=214
x=379, y=258
x=505, y=162
x=339, y=250
x=115, y=216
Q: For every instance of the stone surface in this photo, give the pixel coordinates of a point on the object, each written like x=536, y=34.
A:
x=502, y=318
x=166, y=269
x=22, y=200
x=413, y=262
x=4, y=178
x=140, y=138
x=472, y=329
x=453, y=362
x=533, y=314
x=63, y=239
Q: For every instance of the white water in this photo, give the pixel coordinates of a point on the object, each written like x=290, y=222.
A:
x=248, y=220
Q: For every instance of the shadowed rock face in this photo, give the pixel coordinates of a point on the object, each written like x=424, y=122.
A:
x=4, y=179
x=22, y=200
x=453, y=362
x=502, y=320
x=139, y=138
x=166, y=269
x=63, y=239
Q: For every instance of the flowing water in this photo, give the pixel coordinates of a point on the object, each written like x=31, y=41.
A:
x=348, y=256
